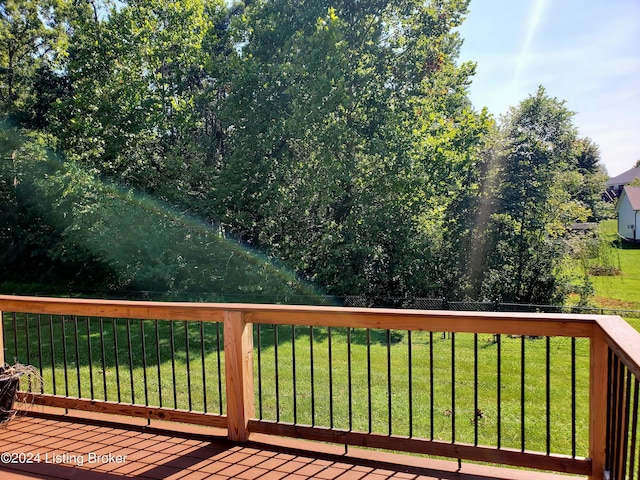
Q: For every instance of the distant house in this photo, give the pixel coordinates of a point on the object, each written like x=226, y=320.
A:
x=628, y=210
x=615, y=185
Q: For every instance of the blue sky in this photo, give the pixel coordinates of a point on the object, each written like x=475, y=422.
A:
x=586, y=52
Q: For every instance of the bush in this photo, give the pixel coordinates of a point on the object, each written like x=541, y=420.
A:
x=604, y=271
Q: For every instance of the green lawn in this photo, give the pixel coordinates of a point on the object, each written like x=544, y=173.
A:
x=376, y=365
x=432, y=375
x=621, y=291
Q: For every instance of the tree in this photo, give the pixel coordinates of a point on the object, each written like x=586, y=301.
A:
x=146, y=82
x=32, y=35
x=590, y=180
x=32, y=239
x=345, y=123
x=64, y=226
x=523, y=243
x=351, y=127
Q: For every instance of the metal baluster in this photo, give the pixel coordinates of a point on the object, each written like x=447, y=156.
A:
x=219, y=347
x=634, y=428
x=27, y=339
x=369, y=399
x=40, y=361
x=103, y=359
x=64, y=357
x=329, y=330
x=158, y=362
x=77, y=352
x=410, y=380
x=130, y=352
x=144, y=363
x=293, y=366
x=431, y=386
x=453, y=387
x=626, y=420
x=204, y=374
x=499, y=390
x=117, y=363
x=259, y=339
x=476, y=411
x=313, y=393
x=186, y=347
x=173, y=363
x=548, y=393
x=90, y=355
x=275, y=353
x=522, y=394
x=53, y=354
x=389, y=394
x=14, y=324
x=610, y=411
x=573, y=397
x=349, y=377
x=617, y=420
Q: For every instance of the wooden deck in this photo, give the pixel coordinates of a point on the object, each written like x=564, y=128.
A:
x=109, y=448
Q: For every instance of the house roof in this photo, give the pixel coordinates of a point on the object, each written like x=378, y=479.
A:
x=624, y=178
x=633, y=194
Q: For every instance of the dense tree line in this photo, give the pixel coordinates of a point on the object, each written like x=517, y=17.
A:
x=333, y=139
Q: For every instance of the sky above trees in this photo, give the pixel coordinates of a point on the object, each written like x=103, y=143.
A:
x=583, y=51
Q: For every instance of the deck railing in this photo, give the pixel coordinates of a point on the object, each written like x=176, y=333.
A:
x=555, y=392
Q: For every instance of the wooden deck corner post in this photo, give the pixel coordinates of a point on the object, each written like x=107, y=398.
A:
x=238, y=360
x=598, y=391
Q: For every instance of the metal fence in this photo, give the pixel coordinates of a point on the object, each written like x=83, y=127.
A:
x=362, y=301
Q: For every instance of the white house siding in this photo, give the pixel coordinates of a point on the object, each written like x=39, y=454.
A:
x=628, y=210
x=627, y=223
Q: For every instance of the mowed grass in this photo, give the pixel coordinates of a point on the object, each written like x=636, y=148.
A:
x=426, y=385
x=443, y=368
x=107, y=359
x=620, y=292
x=617, y=293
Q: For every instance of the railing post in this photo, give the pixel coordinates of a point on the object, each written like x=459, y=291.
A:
x=238, y=360
x=598, y=391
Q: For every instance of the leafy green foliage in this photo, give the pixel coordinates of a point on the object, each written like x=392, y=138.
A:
x=33, y=246
x=138, y=243
x=349, y=122
x=336, y=138
x=144, y=88
x=536, y=183
x=591, y=177
x=33, y=36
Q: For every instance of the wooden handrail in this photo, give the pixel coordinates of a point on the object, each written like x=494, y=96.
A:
x=623, y=340
x=115, y=308
x=534, y=324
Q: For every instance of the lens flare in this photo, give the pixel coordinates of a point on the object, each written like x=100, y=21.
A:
x=148, y=244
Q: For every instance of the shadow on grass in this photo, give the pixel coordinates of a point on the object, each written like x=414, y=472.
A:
x=623, y=244
x=55, y=340
x=46, y=340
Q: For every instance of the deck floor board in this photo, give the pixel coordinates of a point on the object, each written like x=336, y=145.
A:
x=67, y=447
